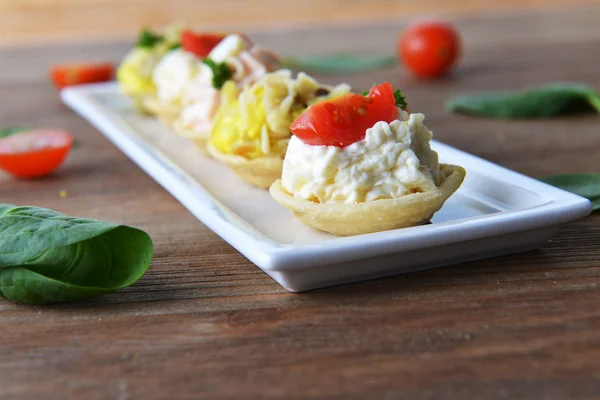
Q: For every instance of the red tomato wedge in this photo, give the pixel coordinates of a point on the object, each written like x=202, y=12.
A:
x=200, y=44
x=344, y=120
x=78, y=74
x=34, y=153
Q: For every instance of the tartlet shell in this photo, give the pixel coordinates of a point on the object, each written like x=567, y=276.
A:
x=167, y=114
x=375, y=216
x=260, y=172
x=200, y=139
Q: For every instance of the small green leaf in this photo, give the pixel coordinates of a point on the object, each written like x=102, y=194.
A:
x=584, y=184
x=221, y=72
x=148, y=39
x=11, y=130
x=340, y=63
x=546, y=101
x=47, y=257
x=174, y=46
x=400, y=100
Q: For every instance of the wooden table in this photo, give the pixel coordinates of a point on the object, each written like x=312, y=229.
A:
x=205, y=323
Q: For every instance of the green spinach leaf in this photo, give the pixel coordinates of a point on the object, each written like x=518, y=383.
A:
x=546, y=101
x=48, y=257
x=583, y=184
x=11, y=130
x=340, y=63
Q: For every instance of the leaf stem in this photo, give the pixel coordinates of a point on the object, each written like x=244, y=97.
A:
x=594, y=99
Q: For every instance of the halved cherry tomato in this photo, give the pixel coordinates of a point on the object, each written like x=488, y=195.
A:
x=34, y=153
x=344, y=120
x=78, y=74
x=429, y=49
x=200, y=44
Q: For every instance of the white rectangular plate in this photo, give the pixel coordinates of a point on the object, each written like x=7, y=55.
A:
x=496, y=211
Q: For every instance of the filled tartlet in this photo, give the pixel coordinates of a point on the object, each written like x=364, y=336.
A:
x=251, y=131
x=135, y=73
x=188, y=80
x=362, y=163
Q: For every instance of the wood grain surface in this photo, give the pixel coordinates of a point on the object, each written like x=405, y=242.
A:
x=206, y=323
x=40, y=21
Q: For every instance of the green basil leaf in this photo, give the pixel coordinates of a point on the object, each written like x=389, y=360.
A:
x=48, y=257
x=340, y=63
x=11, y=130
x=546, y=101
x=583, y=184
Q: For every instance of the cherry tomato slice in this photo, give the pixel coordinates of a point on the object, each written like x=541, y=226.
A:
x=200, y=44
x=344, y=120
x=35, y=153
x=78, y=74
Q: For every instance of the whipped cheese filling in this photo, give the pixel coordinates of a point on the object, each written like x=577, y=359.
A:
x=392, y=160
x=174, y=73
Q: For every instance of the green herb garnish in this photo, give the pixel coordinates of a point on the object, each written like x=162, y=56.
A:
x=398, y=98
x=11, y=130
x=221, y=72
x=174, y=46
x=148, y=39
x=583, y=184
x=47, y=257
x=546, y=101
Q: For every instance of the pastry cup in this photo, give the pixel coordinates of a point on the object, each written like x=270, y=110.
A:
x=139, y=103
x=200, y=139
x=166, y=113
x=375, y=216
x=260, y=172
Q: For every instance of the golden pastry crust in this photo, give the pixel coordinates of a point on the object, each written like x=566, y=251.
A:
x=375, y=216
x=201, y=144
x=139, y=103
x=167, y=114
x=260, y=172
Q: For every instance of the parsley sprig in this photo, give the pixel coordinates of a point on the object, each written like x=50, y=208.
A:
x=175, y=46
x=398, y=97
x=400, y=100
x=221, y=72
x=148, y=39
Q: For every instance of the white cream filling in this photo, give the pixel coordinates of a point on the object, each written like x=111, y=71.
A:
x=174, y=73
x=392, y=160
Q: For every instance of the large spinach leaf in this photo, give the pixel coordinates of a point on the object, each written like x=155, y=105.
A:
x=48, y=257
x=11, y=130
x=546, y=101
x=583, y=184
x=340, y=63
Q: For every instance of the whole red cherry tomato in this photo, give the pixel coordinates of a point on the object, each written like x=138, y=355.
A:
x=429, y=49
